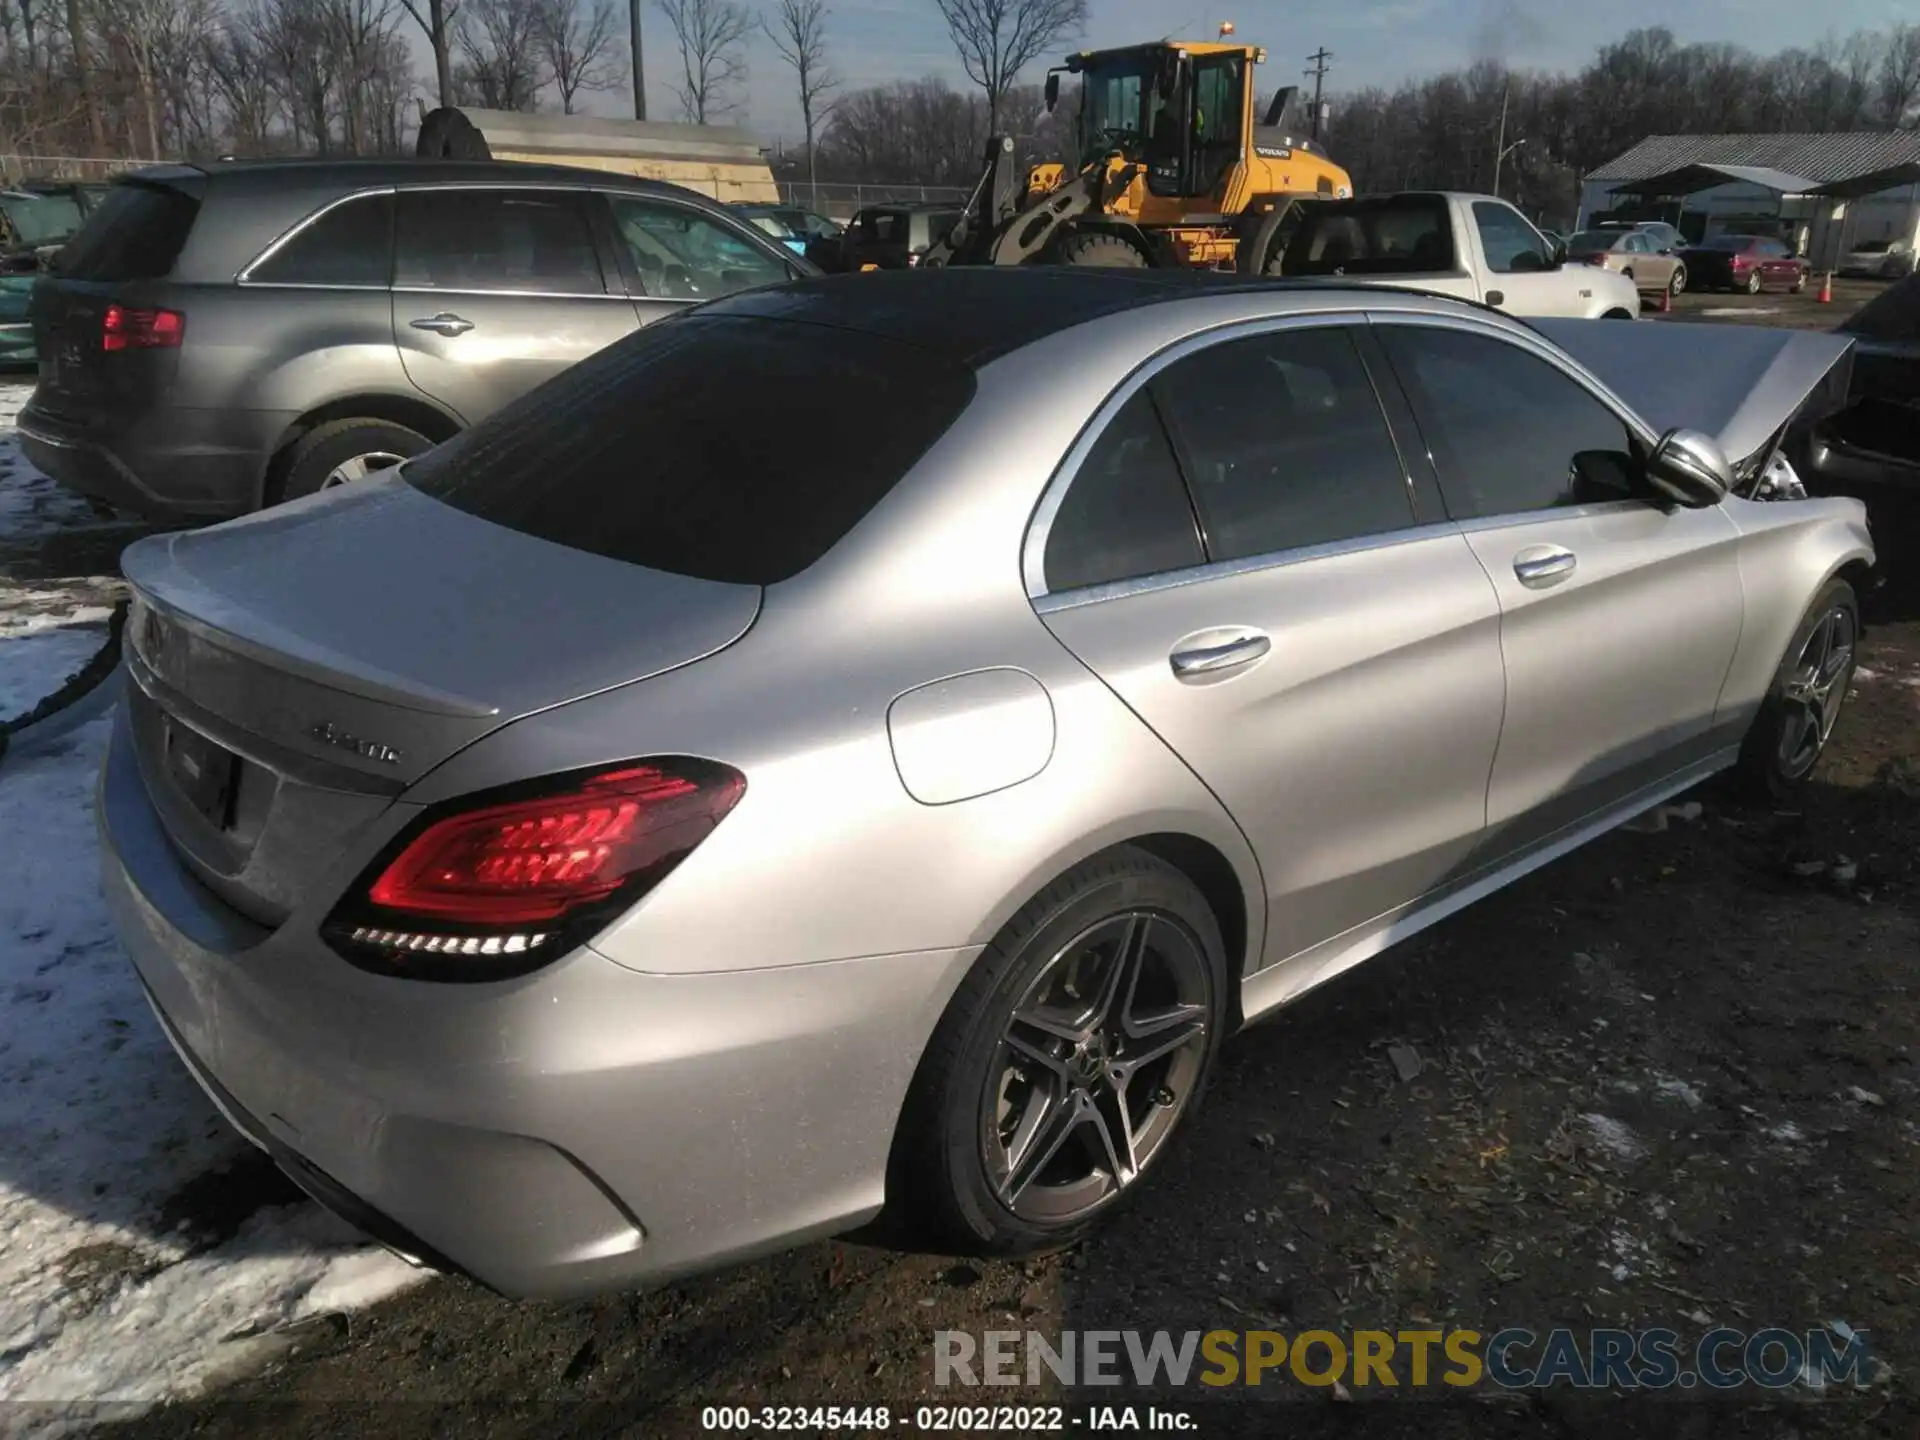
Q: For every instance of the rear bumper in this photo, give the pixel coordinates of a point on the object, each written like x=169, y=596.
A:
x=174, y=462
x=581, y=1129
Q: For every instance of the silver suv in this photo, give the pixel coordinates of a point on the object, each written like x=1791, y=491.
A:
x=218, y=338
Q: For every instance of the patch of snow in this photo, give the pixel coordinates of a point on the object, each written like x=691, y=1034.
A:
x=1787, y=1133
x=1721, y=312
x=30, y=503
x=1631, y=1255
x=1676, y=1089
x=99, y=1125
x=34, y=665
x=1615, y=1137
x=1861, y=672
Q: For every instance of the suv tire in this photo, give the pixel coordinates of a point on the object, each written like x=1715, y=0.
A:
x=343, y=451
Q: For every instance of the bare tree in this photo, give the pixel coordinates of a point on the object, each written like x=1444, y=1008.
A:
x=1898, y=82
x=359, y=33
x=501, y=54
x=799, y=33
x=143, y=33
x=997, y=39
x=579, y=47
x=712, y=35
x=438, y=25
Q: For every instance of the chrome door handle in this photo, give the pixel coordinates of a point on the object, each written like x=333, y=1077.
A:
x=1542, y=566
x=1228, y=651
x=442, y=324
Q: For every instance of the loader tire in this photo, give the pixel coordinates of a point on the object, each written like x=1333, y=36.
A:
x=1091, y=247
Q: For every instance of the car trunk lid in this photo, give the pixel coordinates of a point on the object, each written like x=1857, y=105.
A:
x=295, y=671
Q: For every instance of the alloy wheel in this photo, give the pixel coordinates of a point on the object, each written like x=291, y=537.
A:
x=1678, y=284
x=1097, y=1064
x=359, y=467
x=1816, y=686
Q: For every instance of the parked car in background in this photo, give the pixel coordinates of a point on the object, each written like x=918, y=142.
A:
x=1744, y=262
x=530, y=906
x=793, y=227
x=1875, y=440
x=1879, y=260
x=893, y=237
x=1663, y=235
x=221, y=337
x=36, y=219
x=1471, y=246
x=1635, y=254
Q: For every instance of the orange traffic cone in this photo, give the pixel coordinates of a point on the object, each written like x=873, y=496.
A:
x=1826, y=287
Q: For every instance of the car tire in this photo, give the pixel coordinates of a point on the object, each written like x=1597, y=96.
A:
x=1677, y=283
x=1795, y=721
x=976, y=1169
x=342, y=451
x=1753, y=283
x=1093, y=247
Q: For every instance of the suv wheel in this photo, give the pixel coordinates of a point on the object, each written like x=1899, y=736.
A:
x=341, y=452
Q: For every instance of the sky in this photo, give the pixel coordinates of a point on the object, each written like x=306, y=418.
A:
x=1373, y=42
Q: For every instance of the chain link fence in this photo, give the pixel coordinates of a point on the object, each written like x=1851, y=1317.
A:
x=839, y=200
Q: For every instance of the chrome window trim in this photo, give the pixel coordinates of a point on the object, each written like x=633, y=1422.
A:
x=298, y=228
x=1033, y=550
x=516, y=294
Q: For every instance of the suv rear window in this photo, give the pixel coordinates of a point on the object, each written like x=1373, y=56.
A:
x=1402, y=235
x=136, y=233
x=722, y=448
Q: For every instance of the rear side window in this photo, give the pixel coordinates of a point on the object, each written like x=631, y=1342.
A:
x=479, y=240
x=1286, y=443
x=349, y=245
x=1371, y=237
x=718, y=447
x=136, y=233
x=1126, y=513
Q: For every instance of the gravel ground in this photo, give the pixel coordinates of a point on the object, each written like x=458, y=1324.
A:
x=1668, y=1081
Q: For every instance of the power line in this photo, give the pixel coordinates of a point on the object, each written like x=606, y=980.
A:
x=1318, y=75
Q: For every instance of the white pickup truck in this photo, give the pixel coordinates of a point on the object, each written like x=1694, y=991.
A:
x=1473, y=246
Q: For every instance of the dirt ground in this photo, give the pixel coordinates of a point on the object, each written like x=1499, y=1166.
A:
x=1668, y=1081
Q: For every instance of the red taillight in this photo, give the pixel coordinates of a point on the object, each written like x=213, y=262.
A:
x=511, y=877
x=124, y=328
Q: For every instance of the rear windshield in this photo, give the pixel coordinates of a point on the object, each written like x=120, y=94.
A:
x=1370, y=238
x=718, y=447
x=1872, y=247
x=135, y=234
x=1595, y=240
x=1728, y=242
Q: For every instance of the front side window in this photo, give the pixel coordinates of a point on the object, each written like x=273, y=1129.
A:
x=682, y=254
x=499, y=240
x=1285, y=442
x=1126, y=514
x=1509, y=432
x=349, y=245
x=1512, y=245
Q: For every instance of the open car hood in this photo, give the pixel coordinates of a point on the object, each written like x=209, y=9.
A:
x=1741, y=384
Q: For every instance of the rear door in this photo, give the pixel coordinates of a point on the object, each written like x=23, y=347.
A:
x=1521, y=275
x=1327, y=663
x=673, y=255
x=1618, y=618
x=496, y=290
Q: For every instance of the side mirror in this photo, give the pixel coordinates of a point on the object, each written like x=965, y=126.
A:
x=1559, y=253
x=1053, y=91
x=1690, y=469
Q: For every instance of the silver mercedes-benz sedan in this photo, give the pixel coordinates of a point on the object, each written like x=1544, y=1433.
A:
x=868, y=743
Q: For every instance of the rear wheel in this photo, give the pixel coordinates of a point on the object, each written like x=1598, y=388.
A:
x=1093, y=247
x=1796, y=719
x=1678, y=283
x=343, y=452
x=1071, y=1055
x=1753, y=282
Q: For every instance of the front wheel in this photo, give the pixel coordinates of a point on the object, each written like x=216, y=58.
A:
x=1678, y=283
x=1066, y=1063
x=1092, y=247
x=1796, y=720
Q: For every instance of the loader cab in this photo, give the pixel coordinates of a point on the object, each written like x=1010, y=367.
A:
x=1181, y=111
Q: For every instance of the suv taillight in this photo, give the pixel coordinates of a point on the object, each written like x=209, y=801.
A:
x=125, y=328
x=501, y=883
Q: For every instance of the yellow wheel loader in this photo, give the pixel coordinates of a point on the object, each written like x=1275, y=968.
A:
x=1174, y=170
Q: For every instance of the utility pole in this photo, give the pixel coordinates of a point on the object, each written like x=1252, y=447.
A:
x=1500, y=138
x=1318, y=74
x=639, y=64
